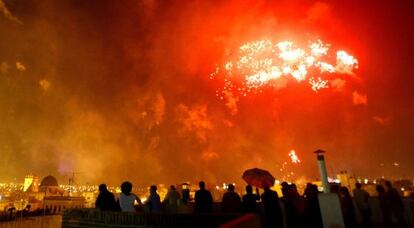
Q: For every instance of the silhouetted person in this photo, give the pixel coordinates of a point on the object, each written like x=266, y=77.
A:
x=171, y=200
x=249, y=203
x=299, y=206
x=385, y=205
x=285, y=188
x=105, y=200
x=127, y=199
x=347, y=206
x=412, y=202
x=231, y=202
x=334, y=188
x=396, y=203
x=185, y=194
x=203, y=199
x=288, y=207
x=361, y=200
x=313, y=216
x=153, y=200
x=294, y=205
x=26, y=210
x=273, y=214
x=12, y=209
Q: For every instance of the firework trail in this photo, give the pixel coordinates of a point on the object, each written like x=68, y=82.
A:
x=286, y=169
x=293, y=157
x=264, y=63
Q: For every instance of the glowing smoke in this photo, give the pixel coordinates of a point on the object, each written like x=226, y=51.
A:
x=7, y=14
x=132, y=96
x=359, y=99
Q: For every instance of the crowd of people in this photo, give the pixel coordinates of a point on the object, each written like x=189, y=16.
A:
x=391, y=204
x=231, y=202
x=300, y=210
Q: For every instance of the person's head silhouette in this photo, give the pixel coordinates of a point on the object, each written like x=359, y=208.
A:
x=202, y=185
x=230, y=187
x=172, y=187
x=103, y=188
x=388, y=184
x=293, y=186
x=126, y=187
x=249, y=189
x=344, y=192
x=153, y=189
x=380, y=189
x=358, y=185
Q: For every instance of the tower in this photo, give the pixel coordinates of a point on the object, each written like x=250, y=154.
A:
x=28, y=180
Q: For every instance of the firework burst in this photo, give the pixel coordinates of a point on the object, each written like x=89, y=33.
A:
x=293, y=157
x=263, y=63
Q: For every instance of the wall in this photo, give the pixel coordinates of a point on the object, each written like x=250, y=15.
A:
x=51, y=221
x=88, y=218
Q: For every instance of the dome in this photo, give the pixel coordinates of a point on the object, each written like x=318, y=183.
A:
x=49, y=181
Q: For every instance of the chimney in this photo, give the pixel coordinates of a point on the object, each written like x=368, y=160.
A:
x=322, y=170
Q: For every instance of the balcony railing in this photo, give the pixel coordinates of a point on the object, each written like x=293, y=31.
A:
x=96, y=218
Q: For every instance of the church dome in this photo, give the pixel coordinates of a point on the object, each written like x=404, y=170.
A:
x=49, y=181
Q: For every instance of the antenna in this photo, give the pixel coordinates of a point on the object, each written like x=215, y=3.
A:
x=72, y=181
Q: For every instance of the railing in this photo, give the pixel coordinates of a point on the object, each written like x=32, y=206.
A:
x=245, y=221
x=13, y=215
x=85, y=218
x=185, y=217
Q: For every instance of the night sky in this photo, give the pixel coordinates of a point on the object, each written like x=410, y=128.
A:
x=117, y=90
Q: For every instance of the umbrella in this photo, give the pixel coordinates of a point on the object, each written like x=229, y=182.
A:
x=258, y=178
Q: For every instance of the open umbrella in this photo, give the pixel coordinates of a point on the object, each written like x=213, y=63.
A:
x=258, y=178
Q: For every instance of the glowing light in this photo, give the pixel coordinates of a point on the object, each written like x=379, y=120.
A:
x=318, y=84
x=264, y=63
x=325, y=67
x=44, y=85
x=293, y=157
x=318, y=48
x=20, y=66
x=344, y=58
x=395, y=164
x=345, y=62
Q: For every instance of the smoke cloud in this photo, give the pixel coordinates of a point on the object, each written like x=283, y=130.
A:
x=116, y=90
x=382, y=120
x=359, y=99
x=338, y=84
x=7, y=14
